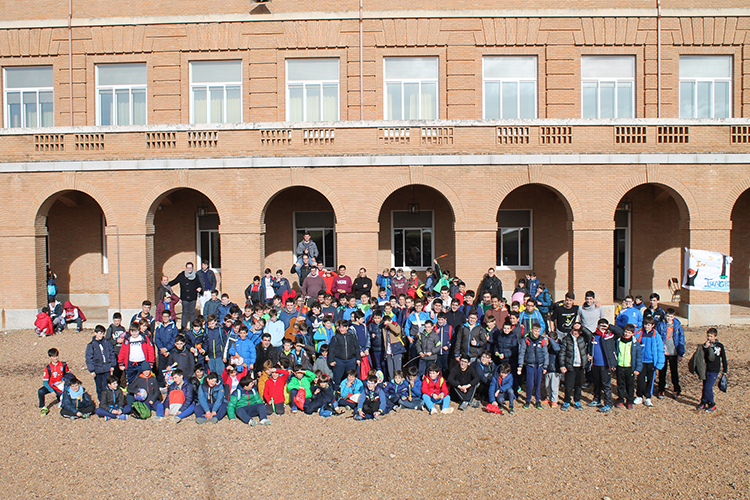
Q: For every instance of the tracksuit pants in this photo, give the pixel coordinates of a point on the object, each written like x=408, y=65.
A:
x=602, y=384
x=534, y=383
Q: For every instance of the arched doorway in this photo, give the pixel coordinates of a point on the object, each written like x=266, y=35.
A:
x=739, y=244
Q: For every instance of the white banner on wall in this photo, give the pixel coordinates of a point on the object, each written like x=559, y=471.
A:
x=706, y=270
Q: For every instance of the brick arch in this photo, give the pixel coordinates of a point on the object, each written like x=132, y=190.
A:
x=270, y=192
x=156, y=194
x=732, y=197
x=454, y=202
x=43, y=200
x=684, y=198
x=572, y=205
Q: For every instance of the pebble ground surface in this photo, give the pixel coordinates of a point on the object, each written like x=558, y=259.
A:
x=668, y=451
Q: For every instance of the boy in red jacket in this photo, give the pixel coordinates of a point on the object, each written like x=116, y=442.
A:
x=135, y=350
x=43, y=324
x=435, y=390
x=273, y=390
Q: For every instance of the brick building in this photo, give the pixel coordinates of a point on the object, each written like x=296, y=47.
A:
x=589, y=144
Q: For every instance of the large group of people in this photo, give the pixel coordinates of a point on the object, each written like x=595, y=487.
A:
x=333, y=344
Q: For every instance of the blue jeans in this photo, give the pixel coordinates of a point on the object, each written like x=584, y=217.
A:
x=430, y=402
x=216, y=365
x=534, y=382
x=414, y=404
x=509, y=395
x=101, y=412
x=220, y=413
x=708, y=388
x=184, y=414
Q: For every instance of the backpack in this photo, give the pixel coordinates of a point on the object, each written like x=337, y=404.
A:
x=140, y=410
x=67, y=375
x=51, y=290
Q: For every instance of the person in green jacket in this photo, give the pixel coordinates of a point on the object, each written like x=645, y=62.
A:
x=444, y=278
x=245, y=403
x=301, y=380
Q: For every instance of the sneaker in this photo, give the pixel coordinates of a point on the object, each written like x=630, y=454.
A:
x=630, y=406
x=251, y=422
x=434, y=411
x=375, y=417
x=475, y=404
x=577, y=405
x=463, y=406
x=85, y=415
x=702, y=406
x=45, y=411
x=594, y=404
x=395, y=408
x=176, y=419
x=511, y=411
x=619, y=404
x=526, y=406
x=539, y=405
x=677, y=394
x=660, y=395
x=605, y=409
x=122, y=417
x=553, y=404
x=446, y=410
x=214, y=420
x=565, y=406
x=637, y=401
x=200, y=420
x=107, y=418
x=710, y=409
x=545, y=401
x=359, y=418
x=294, y=410
x=265, y=422
x=647, y=403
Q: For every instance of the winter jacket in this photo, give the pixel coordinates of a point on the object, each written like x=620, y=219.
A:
x=187, y=393
x=376, y=337
x=407, y=391
x=347, y=391
x=149, y=384
x=273, y=389
x=222, y=310
x=184, y=360
x=465, y=335
x=544, y=302
x=241, y=398
x=321, y=365
x=678, y=335
x=378, y=394
x=207, y=279
x=188, y=287
x=148, y=351
x=507, y=345
x=533, y=352
x=210, y=398
x=361, y=285
x=164, y=335
x=214, y=343
x=653, y=349
x=484, y=372
x=392, y=334
x=630, y=316
x=527, y=320
x=567, y=353
x=429, y=342
x=360, y=331
x=603, y=349
x=323, y=336
x=434, y=387
x=161, y=307
x=636, y=355
x=112, y=400
x=344, y=346
x=195, y=339
x=245, y=349
x=76, y=405
x=302, y=383
x=212, y=307
x=500, y=384
x=263, y=354
x=492, y=285
x=100, y=356
x=553, y=348
x=44, y=323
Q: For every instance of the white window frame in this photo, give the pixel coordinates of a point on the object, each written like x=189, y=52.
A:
x=321, y=251
x=518, y=81
x=26, y=90
x=405, y=267
x=712, y=81
x=311, y=83
x=614, y=80
x=114, y=88
x=198, y=251
x=502, y=267
x=208, y=87
x=419, y=81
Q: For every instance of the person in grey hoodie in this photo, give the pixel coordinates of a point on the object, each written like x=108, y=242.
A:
x=590, y=313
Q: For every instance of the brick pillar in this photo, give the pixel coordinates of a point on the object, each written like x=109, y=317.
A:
x=592, y=261
x=131, y=281
x=24, y=277
x=242, y=249
x=476, y=251
x=357, y=246
x=700, y=307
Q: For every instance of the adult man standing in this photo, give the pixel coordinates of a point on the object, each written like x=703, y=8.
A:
x=313, y=284
x=307, y=246
x=207, y=279
x=163, y=289
x=190, y=286
x=362, y=284
x=491, y=283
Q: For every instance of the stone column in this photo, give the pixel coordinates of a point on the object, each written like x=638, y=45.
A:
x=592, y=261
x=130, y=252
x=242, y=257
x=357, y=246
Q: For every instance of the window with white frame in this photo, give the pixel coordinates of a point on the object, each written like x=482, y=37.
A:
x=608, y=86
x=509, y=87
x=411, y=88
x=312, y=90
x=121, y=91
x=209, y=244
x=29, y=97
x=413, y=242
x=216, y=92
x=514, y=238
x=705, y=86
x=322, y=229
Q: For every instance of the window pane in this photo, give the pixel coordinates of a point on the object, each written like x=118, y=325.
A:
x=329, y=247
x=426, y=247
x=510, y=67
x=139, y=107
x=525, y=247
x=398, y=247
x=411, y=101
x=510, y=247
x=313, y=103
x=216, y=71
x=205, y=245
x=492, y=100
x=330, y=102
x=295, y=103
x=14, y=109
x=514, y=218
x=200, y=105
x=121, y=74
x=46, y=109
x=29, y=109
x=705, y=66
x=704, y=100
x=215, y=250
x=589, y=100
x=624, y=100
x=722, y=104
x=411, y=68
x=607, y=99
x=217, y=104
x=607, y=67
x=234, y=105
x=122, y=96
x=312, y=69
x=686, y=99
x=510, y=100
x=527, y=105
x=429, y=101
x=106, y=107
x=413, y=243
x=393, y=102
x=28, y=77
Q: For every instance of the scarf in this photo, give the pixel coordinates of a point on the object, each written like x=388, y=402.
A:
x=75, y=394
x=191, y=275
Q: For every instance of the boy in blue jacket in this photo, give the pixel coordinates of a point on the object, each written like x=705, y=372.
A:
x=653, y=359
x=195, y=339
x=410, y=394
x=445, y=337
x=350, y=390
x=212, y=406
x=673, y=337
x=245, y=349
x=533, y=354
x=164, y=335
x=214, y=345
x=180, y=357
x=501, y=389
x=322, y=396
x=179, y=401
x=377, y=347
x=394, y=388
x=629, y=314
x=629, y=366
x=100, y=360
x=76, y=402
x=373, y=403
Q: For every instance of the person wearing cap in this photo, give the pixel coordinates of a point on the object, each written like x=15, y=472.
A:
x=603, y=359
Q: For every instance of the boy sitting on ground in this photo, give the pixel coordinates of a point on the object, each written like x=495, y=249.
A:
x=112, y=403
x=373, y=403
x=211, y=406
x=52, y=379
x=179, y=401
x=76, y=402
x=245, y=403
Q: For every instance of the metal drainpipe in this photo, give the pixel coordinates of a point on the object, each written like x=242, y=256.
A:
x=70, y=56
x=361, y=65
x=658, y=58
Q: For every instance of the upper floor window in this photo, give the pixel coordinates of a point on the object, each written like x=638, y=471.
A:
x=509, y=87
x=121, y=90
x=608, y=84
x=28, y=97
x=705, y=86
x=216, y=92
x=312, y=87
x=411, y=88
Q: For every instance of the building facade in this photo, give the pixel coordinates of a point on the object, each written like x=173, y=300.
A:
x=590, y=145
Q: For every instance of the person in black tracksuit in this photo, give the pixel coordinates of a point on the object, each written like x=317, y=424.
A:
x=344, y=352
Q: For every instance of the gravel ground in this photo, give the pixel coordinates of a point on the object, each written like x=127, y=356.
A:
x=668, y=451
